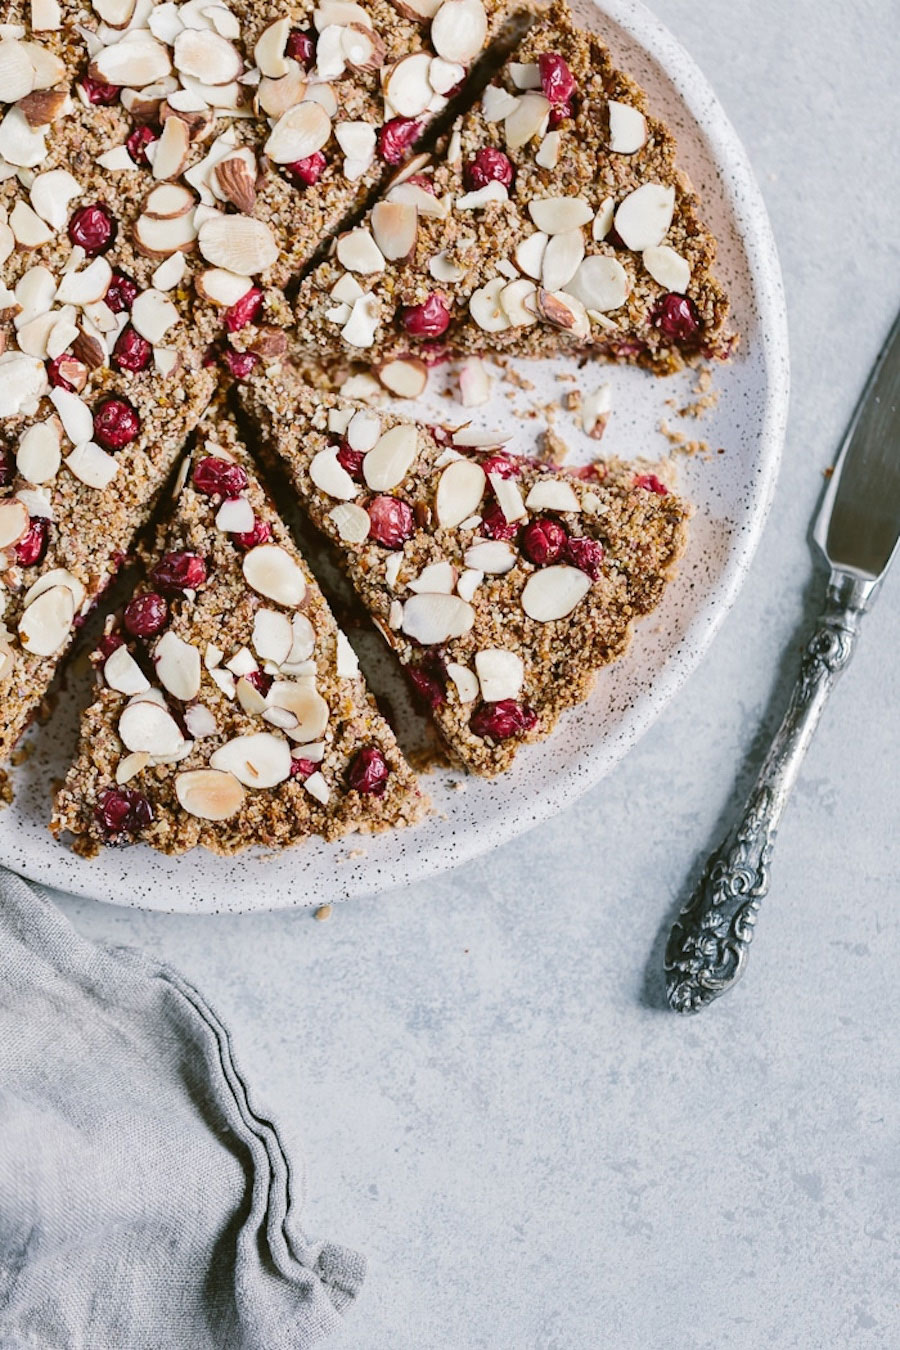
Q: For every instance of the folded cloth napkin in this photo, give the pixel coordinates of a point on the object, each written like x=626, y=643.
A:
x=144, y=1204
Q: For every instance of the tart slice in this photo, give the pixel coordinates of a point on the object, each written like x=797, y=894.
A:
x=556, y=220
x=230, y=709
x=501, y=584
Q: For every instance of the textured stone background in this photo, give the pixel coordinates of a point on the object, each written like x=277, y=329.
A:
x=492, y=1102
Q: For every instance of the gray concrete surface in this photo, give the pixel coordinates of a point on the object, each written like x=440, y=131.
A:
x=492, y=1102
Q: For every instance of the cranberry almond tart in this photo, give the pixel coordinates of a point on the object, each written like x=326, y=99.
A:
x=229, y=709
x=556, y=220
x=502, y=584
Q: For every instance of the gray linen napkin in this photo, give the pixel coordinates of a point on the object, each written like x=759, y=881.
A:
x=144, y=1204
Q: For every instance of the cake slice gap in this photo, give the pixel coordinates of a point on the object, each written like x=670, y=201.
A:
x=229, y=709
x=502, y=585
x=554, y=220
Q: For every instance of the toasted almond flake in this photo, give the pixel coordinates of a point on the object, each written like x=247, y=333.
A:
x=153, y=314
x=601, y=283
x=33, y=337
x=308, y=707
x=222, y=287
x=115, y=13
x=272, y=636
x=304, y=640
x=178, y=666
x=445, y=75
x=129, y=766
x=554, y=592
x=46, y=16
x=426, y=203
x=276, y=97
x=530, y=252
x=122, y=673
x=249, y=697
x=559, y=215
x=16, y=71
x=225, y=680
x=330, y=476
x=75, y=415
x=14, y=522
x=50, y=195
x=390, y=460
x=465, y=681
x=459, y=492
x=433, y=618
x=260, y=760
x=87, y=286
x=443, y=268
x=209, y=794
x=299, y=132
x=527, y=120
x=338, y=313
x=347, y=288
x=643, y=218
x=272, y=572
x=165, y=360
x=238, y=243
x=474, y=383
x=200, y=721
x=436, y=579
x=362, y=48
x=459, y=30
x=136, y=63
x=20, y=144
x=552, y=494
x=358, y=252
x=330, y=59
x=29, y=230
x=158, y=238
x=316, y=786
x=171, y=152
x=668, y=268
x=497, y=103
x=360, y=328
x=492, y=556
x=394, y=228
x=347, y=660
x=242, y=663
x=563, y=310
x=169, y=273
x=506, y=490
x=408, y=87
x=206, y=56
x=234, y=179
x=595, y=406
x=47, y=622
x=405, y=376
x=516, y=299
x=43, y=106
x=483, y=196
x=486, y=309
x=235, y=516
x=270, y=47
x=603, y=219
x=525, y=75
x=38, y=456
x=23, y=379
x=562, y=258
x=627, y=128
x=501, y=674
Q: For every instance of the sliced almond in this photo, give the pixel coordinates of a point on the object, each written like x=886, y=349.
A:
x=169, y=273
x=199, y=121
x=159, y=238
x=474, y=383
x=497, y=103
x=526, y=120
x=272, y=636
x=407, y=86
x=436, y=579
x=417, y=10
x=75, y=415
x=23, y=379
x=394, y=227
x=206, y=56
x=351, y=522
x=391, y=458
x=486, y=309
x=271, y=571
x=668, y=268
x=235, y=178
x=56, y=576
x=47, y=622
x=275, y=97
x=270, y=48
x=16, y=71
x=501, y=674
x=358, y=252
x=87, y=286
x=464, y=679
x=122, y=673
x=562, y=258
x=200, y=721
x=362, y=48
x=603, y=219
x=29, y=230
x=115, y=13
x=552, y=494
x=92, y=465
x=330, y=59
x=595, y=406
x=492, y=556
x=509, y=498
x=405, y=376
x=178, y=666
x=50, y=195
x=136, y=63
x=431, y=619
x=459, y=492
x=129, y=766
x=14, y=522
x=49, y=69
x=153, y=314
x=443, y=268
x=307, y=706
x=260, y=760
x=554, y=592
x=240, y=244
x=459, y=30
x=525, y=75
x=21, y=144
x=559, y=215
x=168, y=201
x=46, y=16
x=360, y=328
x=38, y=456
x=170, y=155
x=304, y=640
x=249, y=697
x=627, y=128
x=601, y=283
x=530, y=252
x=330, y=476
x=563, y=311
x=209, y=794
x=43, y=106
x=235, y=516
x=222, y=287
x=482, y=197
x=515, y=301
x=548, y=151
x=298, y=133
x=445, y=75
x=643, y=218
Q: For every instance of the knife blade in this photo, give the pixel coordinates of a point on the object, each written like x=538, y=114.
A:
x=857, y=528
x=859, y=522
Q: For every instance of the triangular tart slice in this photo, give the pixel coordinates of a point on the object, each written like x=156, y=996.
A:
x=502, y=584
x=229, y=707
x=556, y=220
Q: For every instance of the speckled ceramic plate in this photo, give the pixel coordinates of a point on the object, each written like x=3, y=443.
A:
x=731, y=488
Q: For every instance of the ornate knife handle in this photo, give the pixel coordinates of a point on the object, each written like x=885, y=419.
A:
x=710, y=941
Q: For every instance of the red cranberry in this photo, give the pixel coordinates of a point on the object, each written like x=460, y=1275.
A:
x=488, y=166
x=427, y=320
x=93, y=228
x=121, y=292
x=306, y=172
x=261, y=531
x=240, y=363
x=351, y=460
x=428, y=680
x=132, y=352
x=369, y=771
x=501, y=465
x=55, y=375
x=586, y=554
x=557, y=80
x=115, y=423
x=244, y=311
x=391, y=521
x=179, y=571
x=651, y=483
x=146, y=615
x=423, y=181
x=98, y=93
x=302, y=47
x=495, y=525
x=136, y=144
x=302, y=769
x=261, y=682
x=676, y=317
x=396, y=137
x=7, y=468
x=502, y=720
x=123, y=810
x=543, y=542
x=219, y=476
x=32, y=547
x=558, y=114
x=109, y=643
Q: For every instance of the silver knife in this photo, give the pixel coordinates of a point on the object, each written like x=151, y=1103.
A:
x=857, y=529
